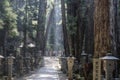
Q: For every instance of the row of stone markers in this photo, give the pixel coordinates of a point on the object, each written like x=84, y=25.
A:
x=109, y=67
x=12, y=67
x=9, y=64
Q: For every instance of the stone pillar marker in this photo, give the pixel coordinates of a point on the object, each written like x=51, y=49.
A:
x=21, y=65
x=10, y=65
x=96, y=69
x=70, y=62
x=84, y=57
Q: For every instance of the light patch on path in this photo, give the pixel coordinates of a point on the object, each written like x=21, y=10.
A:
x=50, y=71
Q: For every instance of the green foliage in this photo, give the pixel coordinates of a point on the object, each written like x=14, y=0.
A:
x=8, y=18
x=27, y=11
x=71, y=24
x=119, y=8
x=1, y=24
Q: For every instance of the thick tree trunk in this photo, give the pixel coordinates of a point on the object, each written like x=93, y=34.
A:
x=113, y=24
x=117, y=25
x=81, y=29
x=101, y=28
x=89, y=38
x=65, y=34
x=40, y=37
x=25, y=30
x=72, y=13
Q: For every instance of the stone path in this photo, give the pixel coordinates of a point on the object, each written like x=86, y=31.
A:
x=50, y=71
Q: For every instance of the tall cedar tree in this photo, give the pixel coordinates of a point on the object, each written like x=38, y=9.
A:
x=40, y=37
x=101, y=28
x=9, y=29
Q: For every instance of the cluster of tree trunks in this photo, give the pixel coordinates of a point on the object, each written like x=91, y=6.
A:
x=97, y=30
x=89, y=25
x=82, y=27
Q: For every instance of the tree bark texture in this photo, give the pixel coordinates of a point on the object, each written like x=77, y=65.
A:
x=117, y=25
x=40, y=37
x=113, y=24
x=89, y=37
x=65, y=34
x=101, y=28
x=70, y=11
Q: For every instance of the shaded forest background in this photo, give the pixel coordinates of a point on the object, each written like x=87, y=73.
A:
x=90, y=26
x=23, y=21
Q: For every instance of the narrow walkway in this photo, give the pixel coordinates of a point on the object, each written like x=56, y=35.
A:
x=51, y=71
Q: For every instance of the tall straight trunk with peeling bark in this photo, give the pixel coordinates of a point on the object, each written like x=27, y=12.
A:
x=40, y=37
x=104, y=33
x=101, y=34
x=101, y=28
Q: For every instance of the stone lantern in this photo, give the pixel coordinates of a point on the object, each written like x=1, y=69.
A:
x=1, y=57
x=10, y=65
x=31, y=45
x=109, y=63
x=39, y=53
x=84, y=57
